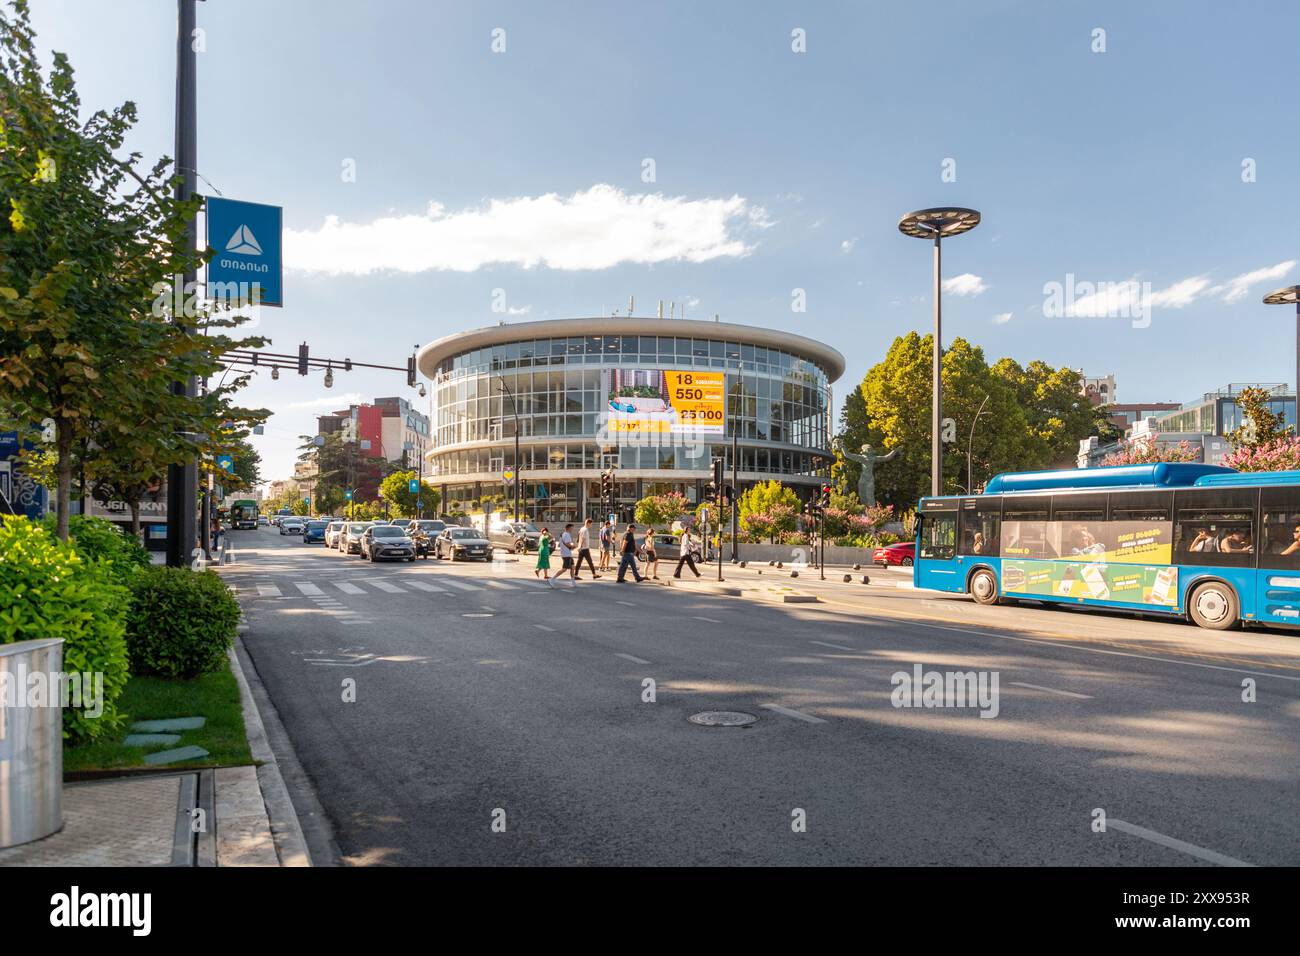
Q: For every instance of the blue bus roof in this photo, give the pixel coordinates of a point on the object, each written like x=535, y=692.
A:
x=1165, y=474
x=1250, y=478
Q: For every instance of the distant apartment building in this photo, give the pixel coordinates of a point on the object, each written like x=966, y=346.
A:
x=404, y=431
x=1100, y=391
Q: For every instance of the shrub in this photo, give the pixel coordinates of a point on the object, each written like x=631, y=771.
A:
x=97, y=539
x=181, y=622
x=47, y=590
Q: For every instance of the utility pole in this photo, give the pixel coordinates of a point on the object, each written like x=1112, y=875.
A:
x=182, y=480
x=735, y=456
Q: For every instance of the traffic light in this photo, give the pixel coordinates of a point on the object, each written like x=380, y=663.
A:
x=302, y=359
x=825, y=500
x=729, y=495
x=410, y=371
x=714, y=488
x=607, y=484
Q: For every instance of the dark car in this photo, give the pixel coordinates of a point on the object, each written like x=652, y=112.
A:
x=383, y=542
x=903, y=553
x=517, y=537
x=314, y=531
x=462, y=544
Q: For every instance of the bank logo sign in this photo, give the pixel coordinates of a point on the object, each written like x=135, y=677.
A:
x=247, y=266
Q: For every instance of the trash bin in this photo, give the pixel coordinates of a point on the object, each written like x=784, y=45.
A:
x=31, y=743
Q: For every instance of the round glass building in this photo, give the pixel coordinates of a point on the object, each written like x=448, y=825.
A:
x=655, y=399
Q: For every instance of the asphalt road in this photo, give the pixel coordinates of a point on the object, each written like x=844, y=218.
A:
x=483, y=697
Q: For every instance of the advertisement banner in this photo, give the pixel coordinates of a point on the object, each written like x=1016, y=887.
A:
x=659, y=401
x=1129, y=583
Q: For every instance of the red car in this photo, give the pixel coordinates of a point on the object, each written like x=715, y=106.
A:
x=904, y=552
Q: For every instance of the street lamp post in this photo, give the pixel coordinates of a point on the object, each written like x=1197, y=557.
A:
x=970, y=442
x=1291, y=296
x=936, y=224
x=514, y=412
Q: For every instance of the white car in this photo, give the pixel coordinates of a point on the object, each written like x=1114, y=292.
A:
x=332, y=533
x=292, y=524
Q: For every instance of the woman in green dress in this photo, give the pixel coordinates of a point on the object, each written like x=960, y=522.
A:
x=544, y=545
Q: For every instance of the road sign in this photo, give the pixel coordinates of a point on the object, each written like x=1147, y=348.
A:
x=347, y=495
x=508, y=475
x=247, y=237
x=414, y=486
x=307, y=501
x=226, y=463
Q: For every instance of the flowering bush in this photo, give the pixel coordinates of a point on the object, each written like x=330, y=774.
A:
x=661, y=510
x=778, y=520
x=1147, y=451
x=1281, y=454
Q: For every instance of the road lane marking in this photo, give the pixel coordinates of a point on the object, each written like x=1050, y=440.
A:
x=501, y=585
x=461, y=585
x=1050, y=690
x=625, y=603
x=1167, y=841
x=709, y=619
x=629, y=657
x=543, y=627
x=347, y=588
x=426, y=586
x=306, y=587
x=268, y=590
x=534, y=584
x=387, y=586
x=797, y=715
x=838, y=647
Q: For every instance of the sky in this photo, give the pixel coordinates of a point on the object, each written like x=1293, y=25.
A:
x=446, y=166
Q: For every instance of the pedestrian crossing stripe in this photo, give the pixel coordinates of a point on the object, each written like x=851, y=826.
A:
x=387, y=586
x=347, y=588
x=425, y=586
x=268, y=590
x=306, y=587
x=501, y=585
x=460, y=585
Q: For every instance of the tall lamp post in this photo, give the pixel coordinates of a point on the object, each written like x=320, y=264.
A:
x=514, y=412
x=937, y=224
x=1291, y=296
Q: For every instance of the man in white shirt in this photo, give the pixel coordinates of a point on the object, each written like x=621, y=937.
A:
x=687, y=547
x=566, y=554
x=584, y=550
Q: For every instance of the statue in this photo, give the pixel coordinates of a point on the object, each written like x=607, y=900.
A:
x=867, y=479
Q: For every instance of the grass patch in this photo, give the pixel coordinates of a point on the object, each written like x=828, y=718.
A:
x=214, y=696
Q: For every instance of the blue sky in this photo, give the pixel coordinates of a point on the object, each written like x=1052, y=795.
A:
x=774, y=170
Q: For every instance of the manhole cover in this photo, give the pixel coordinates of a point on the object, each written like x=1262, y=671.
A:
x=722, y=718
x=476, y=615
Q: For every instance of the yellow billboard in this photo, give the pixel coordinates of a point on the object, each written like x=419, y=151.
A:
x=666, y=401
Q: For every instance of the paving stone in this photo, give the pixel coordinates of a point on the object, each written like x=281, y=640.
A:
x=172, y=756
x=163, y=726
x=150, y=740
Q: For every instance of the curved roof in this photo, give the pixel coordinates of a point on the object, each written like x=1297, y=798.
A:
x=828, y=359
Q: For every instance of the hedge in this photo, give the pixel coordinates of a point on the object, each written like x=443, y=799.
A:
x=181, y=623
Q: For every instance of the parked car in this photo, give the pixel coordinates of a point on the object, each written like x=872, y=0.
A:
x=314, y=531
x=424, y=532
x=292, y=524
x=350, y=536
x=332, y=530
x=383, y=542
x=463, y=544
x=517, y=537
x=902, y=553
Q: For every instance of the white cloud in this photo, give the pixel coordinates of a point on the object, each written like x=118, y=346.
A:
x=1180, y=293
x=964, y=284
x=1002, y=318
x=511, y=310
x=330, y=402
x=594, y=229
x=848, y=244
x=1238, y=287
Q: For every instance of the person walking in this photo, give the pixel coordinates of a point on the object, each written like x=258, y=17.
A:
x=606, y=544
x=544, y=557
x=566, y=555
x=688, y=550
x=628, y=560
x=651, y=557
x=584, y=550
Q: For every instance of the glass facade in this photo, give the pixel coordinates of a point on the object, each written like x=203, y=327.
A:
x=778, y=403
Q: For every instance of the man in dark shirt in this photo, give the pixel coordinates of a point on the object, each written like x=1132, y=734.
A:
x=628, y=559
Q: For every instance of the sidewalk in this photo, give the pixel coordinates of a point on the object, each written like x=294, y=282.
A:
x=215, y=817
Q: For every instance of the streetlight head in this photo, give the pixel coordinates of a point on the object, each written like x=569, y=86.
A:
x=942, y=221
x=1288, y=296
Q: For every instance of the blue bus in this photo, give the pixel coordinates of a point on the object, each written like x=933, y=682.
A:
x=1217, y=546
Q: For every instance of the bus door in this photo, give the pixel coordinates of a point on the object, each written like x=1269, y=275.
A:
x=1277, y=586
x=936, y=556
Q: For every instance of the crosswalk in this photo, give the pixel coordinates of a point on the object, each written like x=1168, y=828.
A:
x=360, y=586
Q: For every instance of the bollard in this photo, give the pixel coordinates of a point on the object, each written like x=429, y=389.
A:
x=848, y=578
x=31, y=743
x=744, y=564
x=865, y=579
x=780, y=566
x=857, y=567
x=794, y=574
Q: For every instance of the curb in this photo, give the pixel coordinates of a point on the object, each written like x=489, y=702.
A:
x=286, y=831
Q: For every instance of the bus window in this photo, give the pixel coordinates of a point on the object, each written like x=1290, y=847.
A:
x=1215, y=526
x=1079, y=507
x=1280, y=528
x=981, y=527
x=939, y=536
x=1024, y=528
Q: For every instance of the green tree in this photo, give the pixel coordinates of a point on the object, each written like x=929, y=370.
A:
x=396, y=490
x=1056, y=414
x=88, y=338
x=1259, y=425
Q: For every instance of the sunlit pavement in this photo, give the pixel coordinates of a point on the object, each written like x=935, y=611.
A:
x=499, y=720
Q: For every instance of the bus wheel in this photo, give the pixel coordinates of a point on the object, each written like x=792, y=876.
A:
x=984, y=587
x=1214, y=605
